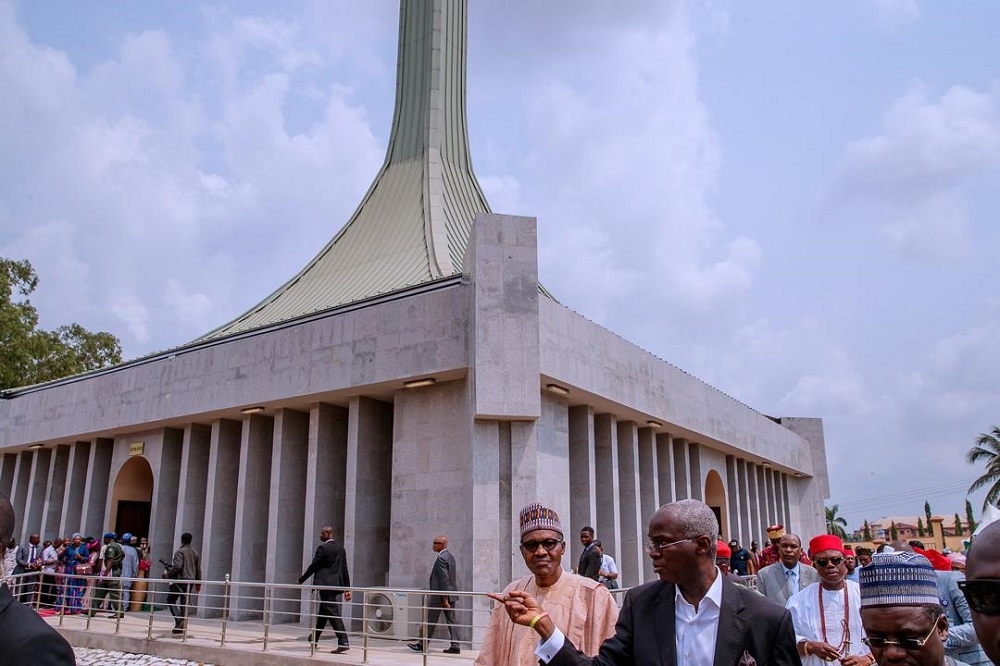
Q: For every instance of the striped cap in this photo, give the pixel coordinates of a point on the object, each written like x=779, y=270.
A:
x=898, y=579
x=538, y=517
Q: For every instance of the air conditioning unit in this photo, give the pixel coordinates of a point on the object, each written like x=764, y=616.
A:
x=394, y=615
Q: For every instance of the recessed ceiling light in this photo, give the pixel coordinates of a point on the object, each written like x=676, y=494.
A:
x=558, y=390
x=37, y=446
x=654, y=424
x=417, y=383
x=252, y=410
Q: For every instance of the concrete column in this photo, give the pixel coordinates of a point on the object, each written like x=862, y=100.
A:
x=606, y=453
x=96, y=490
x=649, y=490
x=757, y=518
x=490, y=559
x=218, y=539
x=749, y=531
x=252, y=501
x=326, y=472
x=582, y=474
x=22, y=484
x=772, y=495
x=55, y=492
x=31, y=519
x=166, y=464
x=286, y=518
x=682, y=469
x=76, y=481
x=694, y=460
x=734, y=495
x=665, y=468
x=630, y=556
x=193, y=482
x=369, y=492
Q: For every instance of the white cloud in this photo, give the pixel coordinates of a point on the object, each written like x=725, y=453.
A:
x=917, y=172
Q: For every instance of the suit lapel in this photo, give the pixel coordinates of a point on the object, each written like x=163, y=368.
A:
x=663, y=617
x=729, y=642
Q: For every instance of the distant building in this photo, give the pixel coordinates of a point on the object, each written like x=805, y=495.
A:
x=413, y=379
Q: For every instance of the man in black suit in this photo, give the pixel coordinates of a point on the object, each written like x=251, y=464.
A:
x=691, y=616
x=590, y=559
x=329, y=566
x=25, y=638
x=442, y=580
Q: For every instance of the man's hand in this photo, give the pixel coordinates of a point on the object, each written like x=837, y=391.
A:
x=347, y=595
x=446, y=603
x=824, y=651
x=857, y=660
x=521, y=607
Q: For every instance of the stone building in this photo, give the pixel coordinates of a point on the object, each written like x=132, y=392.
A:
x=413, y=379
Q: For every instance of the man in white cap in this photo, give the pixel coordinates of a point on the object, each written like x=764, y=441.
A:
x=581, y=607
x=130, y=569
x=901, y=611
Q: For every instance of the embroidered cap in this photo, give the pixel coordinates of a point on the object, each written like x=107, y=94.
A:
x=775, y=531
x=898, y=579
x=538, y=517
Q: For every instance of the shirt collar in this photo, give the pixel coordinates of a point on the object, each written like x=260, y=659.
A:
x=714, y=591
x=795, y=568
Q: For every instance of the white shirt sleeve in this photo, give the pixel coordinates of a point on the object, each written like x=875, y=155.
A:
x=548, y=649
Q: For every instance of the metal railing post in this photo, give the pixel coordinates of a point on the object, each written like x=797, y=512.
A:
x=151, y=598
x=364, y=626
x=267, y=615
x=314, y=608
x=225, y=610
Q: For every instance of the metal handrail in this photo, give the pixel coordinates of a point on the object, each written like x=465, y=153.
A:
x=271, y=617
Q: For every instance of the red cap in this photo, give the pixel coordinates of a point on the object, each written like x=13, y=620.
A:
x=848, y=551
x=937, y=560
x=825, y=542
x=722, y=549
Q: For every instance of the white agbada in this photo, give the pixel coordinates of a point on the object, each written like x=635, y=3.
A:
x=806, y=618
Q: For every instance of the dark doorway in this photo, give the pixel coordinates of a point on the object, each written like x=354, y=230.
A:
x=133, y=517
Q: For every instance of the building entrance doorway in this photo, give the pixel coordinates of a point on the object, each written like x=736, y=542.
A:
x=715, y=497
x=132, y=498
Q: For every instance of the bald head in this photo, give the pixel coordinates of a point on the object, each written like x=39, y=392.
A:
x=983, y=562
x=6, y=519
x=692, y=518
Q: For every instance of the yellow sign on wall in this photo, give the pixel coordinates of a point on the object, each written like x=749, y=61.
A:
x=136, y=448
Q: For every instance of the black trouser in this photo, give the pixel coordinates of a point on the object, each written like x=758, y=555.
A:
x=177, y=601
x=329, y=611
x=434, y=614
x=49, y=590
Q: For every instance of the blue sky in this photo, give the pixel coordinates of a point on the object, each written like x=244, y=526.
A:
x=794, y=202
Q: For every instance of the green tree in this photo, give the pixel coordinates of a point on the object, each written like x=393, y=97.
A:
x=835, y=524
x=987, y=450
x=920, y=526
x=969, y=517
x=958, y=526
x=893, y=532
x=866, y=532
x=930, y=523
x=30, y=355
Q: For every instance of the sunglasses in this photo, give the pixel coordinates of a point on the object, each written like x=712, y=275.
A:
x=824, y=561
x=547, y=544
x=878, y=643
x=983, y=595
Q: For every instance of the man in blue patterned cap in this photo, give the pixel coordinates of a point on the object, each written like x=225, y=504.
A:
x=901, y=612
x=581, y=607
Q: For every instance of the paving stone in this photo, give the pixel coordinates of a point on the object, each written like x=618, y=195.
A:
x=93, y=657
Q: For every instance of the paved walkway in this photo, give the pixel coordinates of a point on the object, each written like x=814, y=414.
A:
x=141, y=638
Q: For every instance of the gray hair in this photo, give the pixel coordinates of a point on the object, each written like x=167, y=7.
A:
x=694, y=518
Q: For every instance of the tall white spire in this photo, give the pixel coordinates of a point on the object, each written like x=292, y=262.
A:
x=413, y=224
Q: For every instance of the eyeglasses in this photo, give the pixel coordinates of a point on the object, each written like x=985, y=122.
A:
x=879, y=643
x=659, y=546
x=547, y=544
x=983, y=595
x=824, y=561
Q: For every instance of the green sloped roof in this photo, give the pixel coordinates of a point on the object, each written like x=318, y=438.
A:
x=413, y=224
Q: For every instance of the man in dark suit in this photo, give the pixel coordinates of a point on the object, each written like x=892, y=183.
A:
x=442, y=580
x=691, y=616
x=25, y=638
x=28, y=559
x=329, y=568
x=590, y=559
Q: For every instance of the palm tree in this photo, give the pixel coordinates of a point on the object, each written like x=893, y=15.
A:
x=835, y=524
x=987, y=450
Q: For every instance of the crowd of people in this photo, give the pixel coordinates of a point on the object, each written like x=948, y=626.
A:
x=73, y=568
x=717, y=603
